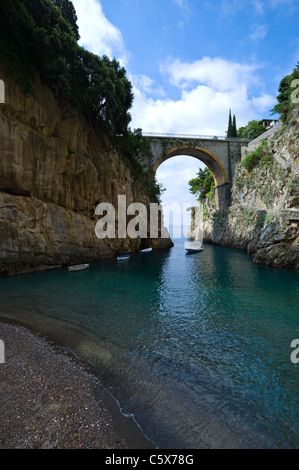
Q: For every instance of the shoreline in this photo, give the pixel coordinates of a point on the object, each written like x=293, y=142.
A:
x=48, y=400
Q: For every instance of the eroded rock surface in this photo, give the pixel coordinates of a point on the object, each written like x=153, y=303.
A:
x=55, y=168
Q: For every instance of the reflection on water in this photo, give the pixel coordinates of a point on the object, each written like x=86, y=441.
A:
x=196, y=347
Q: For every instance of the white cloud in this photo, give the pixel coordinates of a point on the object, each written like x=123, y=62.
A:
x=259, y=32
x=98, y=35
x=147, y=85
x=265, y=101
x=209, y=88
x=216, y=72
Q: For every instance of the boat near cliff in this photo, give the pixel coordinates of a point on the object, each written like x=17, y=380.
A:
x=78, y=267
x=195, y=242
x=193, y=246
x=147, y=250
x=123, y=257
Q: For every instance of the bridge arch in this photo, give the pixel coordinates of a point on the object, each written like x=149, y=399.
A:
x=204, y=155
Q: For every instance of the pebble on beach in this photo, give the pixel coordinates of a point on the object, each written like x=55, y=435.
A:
x=49, y=401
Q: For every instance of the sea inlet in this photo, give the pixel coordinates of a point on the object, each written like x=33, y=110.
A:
x=196, y=348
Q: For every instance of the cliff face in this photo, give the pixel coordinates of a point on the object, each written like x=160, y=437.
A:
x=264, y=216
x=55, y=169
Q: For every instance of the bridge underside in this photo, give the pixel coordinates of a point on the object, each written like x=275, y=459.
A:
x=223, y=196
x=202, y=154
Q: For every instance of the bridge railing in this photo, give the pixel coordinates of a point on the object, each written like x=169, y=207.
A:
x=194, y=136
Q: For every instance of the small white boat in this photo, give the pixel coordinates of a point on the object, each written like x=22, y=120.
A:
x=78, y=267
x=147, y=250
x=193, y=247
x=123, y=257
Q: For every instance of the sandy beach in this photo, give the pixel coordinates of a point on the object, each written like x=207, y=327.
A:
x=49, y=401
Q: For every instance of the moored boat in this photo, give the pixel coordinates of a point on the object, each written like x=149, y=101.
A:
x=78, y=267
x=147, y=250
x=193, y=246
x=123, y=257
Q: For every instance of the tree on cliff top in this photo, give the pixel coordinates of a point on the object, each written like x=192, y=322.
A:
x=284, y=98
x=41, y=36
x=69, y=14
x=252, y=130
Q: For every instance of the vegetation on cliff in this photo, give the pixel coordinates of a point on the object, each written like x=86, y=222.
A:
x=260, y=156
x=41, y=37
x=130, y=145
x=203, y=185
x=232, y=125
x=288, y=96
x=263, y=217
x=287, y=100
x=252, y=130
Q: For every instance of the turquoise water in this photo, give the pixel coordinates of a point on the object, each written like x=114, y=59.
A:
x=195, y=347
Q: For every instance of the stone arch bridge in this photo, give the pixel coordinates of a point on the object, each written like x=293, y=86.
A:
x=219, y=154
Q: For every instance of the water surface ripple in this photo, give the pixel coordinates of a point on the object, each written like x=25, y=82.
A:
x=196, y=347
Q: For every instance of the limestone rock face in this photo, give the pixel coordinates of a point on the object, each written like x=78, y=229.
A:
x=55, y=168
x=264, y=216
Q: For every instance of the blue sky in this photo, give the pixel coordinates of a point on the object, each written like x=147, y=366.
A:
x=190, y=61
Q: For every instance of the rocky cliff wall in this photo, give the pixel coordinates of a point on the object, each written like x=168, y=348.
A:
x=264, y=216
x=55, y=169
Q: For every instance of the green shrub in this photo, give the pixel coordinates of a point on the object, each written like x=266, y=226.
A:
x=260, y=155
x=203, y=185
